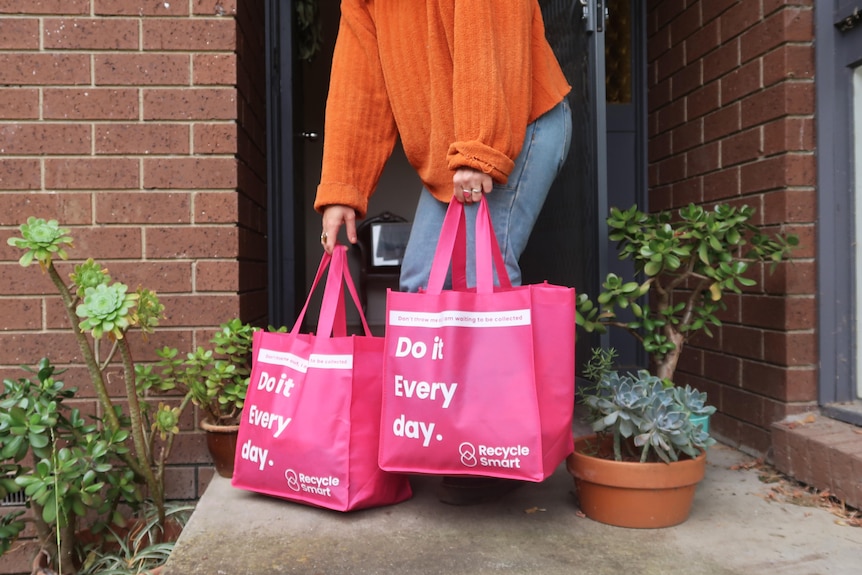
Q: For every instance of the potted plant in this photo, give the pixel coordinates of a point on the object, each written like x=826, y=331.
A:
x=686, y=265
x=645, y=435
x=216, y=380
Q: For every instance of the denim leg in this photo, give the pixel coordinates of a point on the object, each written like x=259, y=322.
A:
x=514, y=207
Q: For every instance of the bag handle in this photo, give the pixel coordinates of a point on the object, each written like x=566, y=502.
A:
x=333, y=319
x=451, y=247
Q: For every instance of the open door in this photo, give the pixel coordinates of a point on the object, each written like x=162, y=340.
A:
x=567, y=246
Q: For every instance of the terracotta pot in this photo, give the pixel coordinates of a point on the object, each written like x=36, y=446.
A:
x=221, y=442
x=633, y=494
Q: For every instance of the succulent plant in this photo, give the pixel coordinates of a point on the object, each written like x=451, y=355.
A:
x=106, y=309
x=42, y=239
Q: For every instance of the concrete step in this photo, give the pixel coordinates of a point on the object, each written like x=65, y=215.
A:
x=734, y=528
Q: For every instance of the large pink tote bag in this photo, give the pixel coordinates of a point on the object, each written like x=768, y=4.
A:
x=478, y=381
x=310, y=424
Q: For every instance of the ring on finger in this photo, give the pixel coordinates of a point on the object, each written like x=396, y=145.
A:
x=323, y=237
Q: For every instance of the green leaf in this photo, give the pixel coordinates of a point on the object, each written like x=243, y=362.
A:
x=652, y=268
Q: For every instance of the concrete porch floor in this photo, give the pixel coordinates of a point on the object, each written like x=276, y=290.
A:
x=733, y=529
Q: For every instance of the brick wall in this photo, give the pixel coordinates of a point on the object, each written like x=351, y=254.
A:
x=141, y=126
x=731, y=104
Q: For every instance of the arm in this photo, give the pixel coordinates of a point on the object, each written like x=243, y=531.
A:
x=492, y=80
x=360, y=130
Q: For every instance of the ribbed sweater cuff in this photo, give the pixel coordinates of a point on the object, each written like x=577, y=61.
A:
x=476, y=155
x=342, y=194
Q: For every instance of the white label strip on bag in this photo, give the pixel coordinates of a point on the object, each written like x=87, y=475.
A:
x=300, y=364
x=457, y=318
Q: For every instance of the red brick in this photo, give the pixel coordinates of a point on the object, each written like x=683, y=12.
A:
x=90, y=104
x=722, y=368
x=143, y=208
x=68, y=208
x=670, y=62
x=202, y=35
x=741, y=82
x=214, y=7
x=658, y=44
x=789, y=62
x=21, y=313
x=787, y=98
x=190, y=104
x=215, y=138
x=44, y=7
x=658, y=95
x=714, y=8
x=197, y=310
x=19, y=34
x=90, y=34
x=217, y=276
x=687, y=136
x=738, y=19
x=702, y=159
x=142, y=138
x=668, y=10
x=161, y=276
x=20, y=174
x=687, y=80
x=190, y=173
x=789, y=135
x=671, y=170
x=703, y=41
x=192, y=242
x=779, y=172
x=687, y=23
x=214, y=69
x=722, y=122
x=661, y=197
x=106, y=243
x=30, y=69
x=688, y=191
x=786, y=385
x=137, y=8
x=796, y=277
x=721, y=61
x=788, y=206
x=44, y=139
x=741, y=147
x=742, y=405
x=91, y=173
x=671, y=116
x=702, y=101
x=742, y=341
x=26, y=348
x=779, y=312
x=141, y=69
x=790, y=349
x=216, y=207
x=789, y=25
x=19, y=104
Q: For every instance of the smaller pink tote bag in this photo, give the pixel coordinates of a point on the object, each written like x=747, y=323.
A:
x=310, y=425
x=478, y=381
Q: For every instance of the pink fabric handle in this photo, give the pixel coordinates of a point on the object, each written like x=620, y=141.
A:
x=451, y=247
x=333, y=318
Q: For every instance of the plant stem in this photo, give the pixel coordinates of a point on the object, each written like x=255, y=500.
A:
x=97, y=377
x=142, y=452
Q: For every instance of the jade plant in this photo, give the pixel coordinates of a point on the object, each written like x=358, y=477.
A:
x=215, y=379
x=684, y=266
x=70, y=469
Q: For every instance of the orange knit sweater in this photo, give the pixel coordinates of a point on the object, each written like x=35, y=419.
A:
x=458, y=81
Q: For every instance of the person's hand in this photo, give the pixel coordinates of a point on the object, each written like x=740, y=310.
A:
x=333, y=217
x=468, y=185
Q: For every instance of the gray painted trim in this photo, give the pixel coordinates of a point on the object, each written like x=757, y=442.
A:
x=836, y=304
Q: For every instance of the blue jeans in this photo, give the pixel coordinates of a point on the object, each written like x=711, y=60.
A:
x=514, y=206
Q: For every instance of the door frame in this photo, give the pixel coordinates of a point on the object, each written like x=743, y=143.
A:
x=837, y=307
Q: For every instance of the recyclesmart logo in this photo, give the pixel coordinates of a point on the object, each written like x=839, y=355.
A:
x=508, y=457
x=317, y=485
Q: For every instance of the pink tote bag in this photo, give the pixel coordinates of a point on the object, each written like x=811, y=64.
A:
x=478, y=381
x=310, y=425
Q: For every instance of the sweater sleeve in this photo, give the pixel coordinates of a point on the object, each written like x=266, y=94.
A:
x=488, y=65
x=359, y=132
